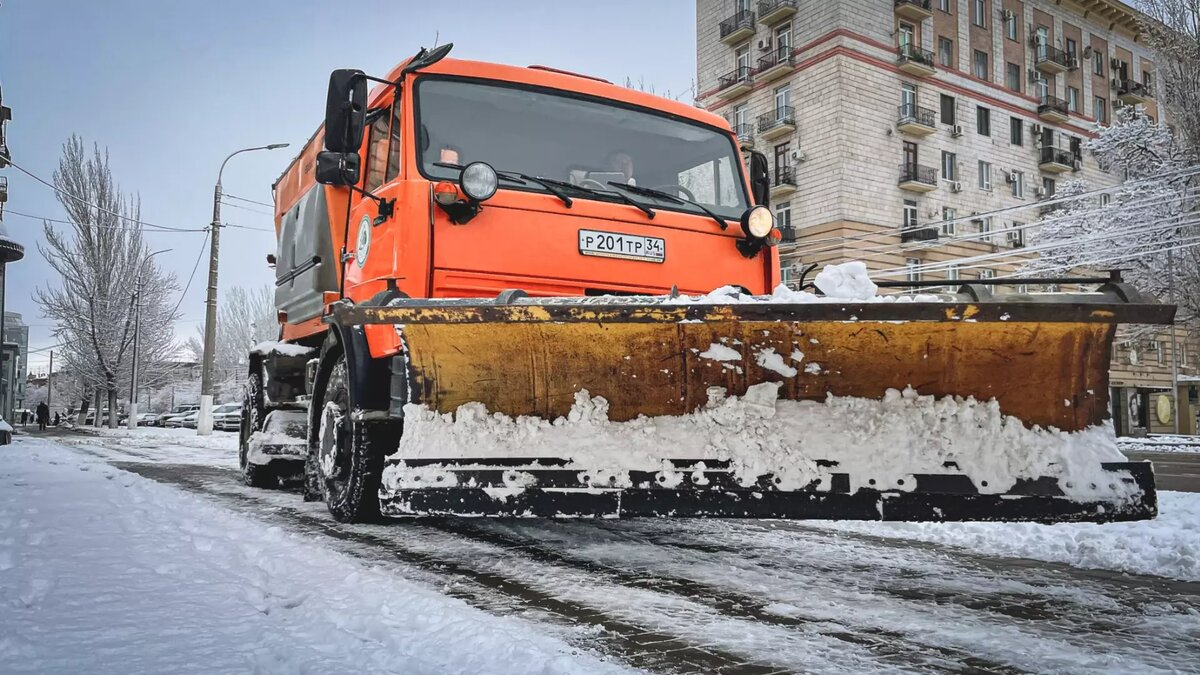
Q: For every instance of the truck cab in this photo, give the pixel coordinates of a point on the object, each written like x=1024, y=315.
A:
x=587, y=189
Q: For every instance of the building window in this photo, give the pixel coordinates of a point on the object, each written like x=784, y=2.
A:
x=948, y=216
x=986, y=273
x=1073, y=99
x=782, y=162
x=944, y=5
x=1012, y=76
x=1018, y=184
x=952, y=273
x=913, y=267
x=985, y=227
x=1072, y=50
x=1016, y=236
x=1016, y=131
x=1076, y=149
x=946, y=52
x=981, y=65
x=910, y=214
x=979, y=13
x=783, y=40
x=1100, y=110
x=783, y=97
x=1048, y=187
x=983, y=121
x=1098, y=62
x=783, y=214
x=1158, y=350
x=908, y=99
x=1010, y=26
x=1105, y=198
x=985, y=175
x=1147, y=78
x=949, y=166
x=742, y=57
x=905, y=36
x=947, y=109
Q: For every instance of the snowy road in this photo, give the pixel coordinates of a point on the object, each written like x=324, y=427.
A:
x=708, y=596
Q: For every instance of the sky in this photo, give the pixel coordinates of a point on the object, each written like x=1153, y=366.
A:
x=171, y=87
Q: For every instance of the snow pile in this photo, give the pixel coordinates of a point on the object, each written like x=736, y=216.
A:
x=848, y=280
x=1163, y=443
x=885, y=441
x=1167, y=546
x=281, y=348
x=732, y=295
x=104, y=572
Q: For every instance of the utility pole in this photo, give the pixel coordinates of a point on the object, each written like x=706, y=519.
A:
x=131, y=420
x=204, y=418
x=50, y=380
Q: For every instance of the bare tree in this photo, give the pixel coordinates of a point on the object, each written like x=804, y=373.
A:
x=1173, y=32
x=101, y=261
x=245, y=317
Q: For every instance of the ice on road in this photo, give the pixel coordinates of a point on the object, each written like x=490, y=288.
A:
x=102, y=571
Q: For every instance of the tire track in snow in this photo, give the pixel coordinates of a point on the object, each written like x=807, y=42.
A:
x=637, y=645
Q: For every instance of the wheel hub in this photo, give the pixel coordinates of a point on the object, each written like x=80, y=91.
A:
x=332, y=450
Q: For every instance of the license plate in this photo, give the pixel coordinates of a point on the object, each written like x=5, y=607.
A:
x=627, y=246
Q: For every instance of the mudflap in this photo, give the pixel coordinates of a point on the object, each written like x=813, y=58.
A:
x=488, y=488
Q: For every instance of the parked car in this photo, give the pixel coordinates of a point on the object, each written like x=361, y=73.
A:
x=175, y=417
x=149, y=419
x=189, y=420
x=90, y=420
x=227, y=417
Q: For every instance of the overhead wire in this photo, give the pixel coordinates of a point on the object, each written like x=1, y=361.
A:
x=226, y=195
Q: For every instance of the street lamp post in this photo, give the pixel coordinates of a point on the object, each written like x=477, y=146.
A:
x=204, y=418
x=131, y=421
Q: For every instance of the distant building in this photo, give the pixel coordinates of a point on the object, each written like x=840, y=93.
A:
x=15, y=370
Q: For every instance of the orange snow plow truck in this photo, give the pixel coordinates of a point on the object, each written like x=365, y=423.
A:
x=495, y=286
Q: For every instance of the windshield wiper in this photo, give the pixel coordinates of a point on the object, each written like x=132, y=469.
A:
x=651, y=192
x=603, y=193
x=520, y=178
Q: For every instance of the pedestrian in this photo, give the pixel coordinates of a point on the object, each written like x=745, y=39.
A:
x=24, y=417
x=43, y=416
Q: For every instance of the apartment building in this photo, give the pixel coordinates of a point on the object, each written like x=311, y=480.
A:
x=914, y=134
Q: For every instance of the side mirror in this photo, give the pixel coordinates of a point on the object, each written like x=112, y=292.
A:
x=760, y=179
x=345, y=110
x=338, y=168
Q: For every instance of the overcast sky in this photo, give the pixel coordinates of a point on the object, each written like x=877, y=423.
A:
x=171, y=87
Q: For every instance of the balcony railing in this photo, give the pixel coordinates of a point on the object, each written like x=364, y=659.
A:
x=784, y=176
x=781, y=56
x=788, y=233
x=1053, y=155
x=1053, y=58
x=1133, y=89
x=1053, y=106
x=3, y=189
x=915, y=173
x=741, y=75
x=744, y=133
x=913, y=56
x=770, y=11
x=909, y=234
x=784, y=115
x=742, y=21
x=911, y=112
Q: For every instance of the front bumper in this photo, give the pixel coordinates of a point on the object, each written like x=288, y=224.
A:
x=548, y=489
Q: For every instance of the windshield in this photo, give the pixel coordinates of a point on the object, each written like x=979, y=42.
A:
x=583, y=142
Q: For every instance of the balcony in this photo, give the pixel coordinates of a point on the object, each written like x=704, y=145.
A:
x=1132, y=92
x=777, y=124
x=776, y=64
x=745, y=135
x=1055, y=160
x=914, y=10
x=788, y=234
x=1052, y=60
x=915, y=234
x=1048, y=210
x=771, y=12
x=1054, y=109
x=738, y=27
x=915, y=120
x=917, y=178
x=3, y=189
x=734, y=84
x=915, y=61
x=784, y=183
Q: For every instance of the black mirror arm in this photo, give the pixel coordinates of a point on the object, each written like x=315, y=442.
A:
x=387, y=207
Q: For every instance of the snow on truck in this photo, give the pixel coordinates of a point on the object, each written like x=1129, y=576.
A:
x=495, y=289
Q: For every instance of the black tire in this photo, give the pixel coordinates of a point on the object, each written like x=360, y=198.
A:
x=252, y=419
x=345, y=459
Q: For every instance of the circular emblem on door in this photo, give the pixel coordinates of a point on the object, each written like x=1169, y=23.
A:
x=1162, y=409
x=363, y=246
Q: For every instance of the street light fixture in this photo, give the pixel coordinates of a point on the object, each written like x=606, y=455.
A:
x=204, y=418
x=131, y=421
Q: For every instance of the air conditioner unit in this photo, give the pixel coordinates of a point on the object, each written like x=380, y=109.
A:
x=1115, y=63
x=1010, y=177
x=1116, y=83
x=1035, y=77
x=1077, y=164
x=1008, y=14
x=1039, y=192
x=1035, y=129
x=955, y=186
x=764, y=45
x=956, y=131
x=1013, y=236
x=799, y=156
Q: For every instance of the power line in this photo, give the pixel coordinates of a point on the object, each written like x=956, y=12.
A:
x=192, y=275
x=247, y=208
x=248, y=227
x=81, y=200
x=243, y=199
x=107, y=227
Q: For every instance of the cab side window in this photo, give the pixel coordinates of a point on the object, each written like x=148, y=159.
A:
x=377, y=152
x=393, y=162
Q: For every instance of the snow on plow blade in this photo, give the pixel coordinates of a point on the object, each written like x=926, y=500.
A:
x=973, y=408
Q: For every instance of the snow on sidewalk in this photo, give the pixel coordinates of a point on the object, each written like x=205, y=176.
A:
x=102, y=571
x=159, y=444
x=1163, y=443
x=1167, y=546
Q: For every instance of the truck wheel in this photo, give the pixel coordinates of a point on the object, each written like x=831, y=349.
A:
x=346, y=460
x=252, y=416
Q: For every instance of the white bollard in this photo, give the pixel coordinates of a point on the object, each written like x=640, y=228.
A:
x=204, y=419
x=132, y=421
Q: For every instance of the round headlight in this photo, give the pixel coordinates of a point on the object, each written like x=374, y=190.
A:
x=479, y=181
x=758, y=222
